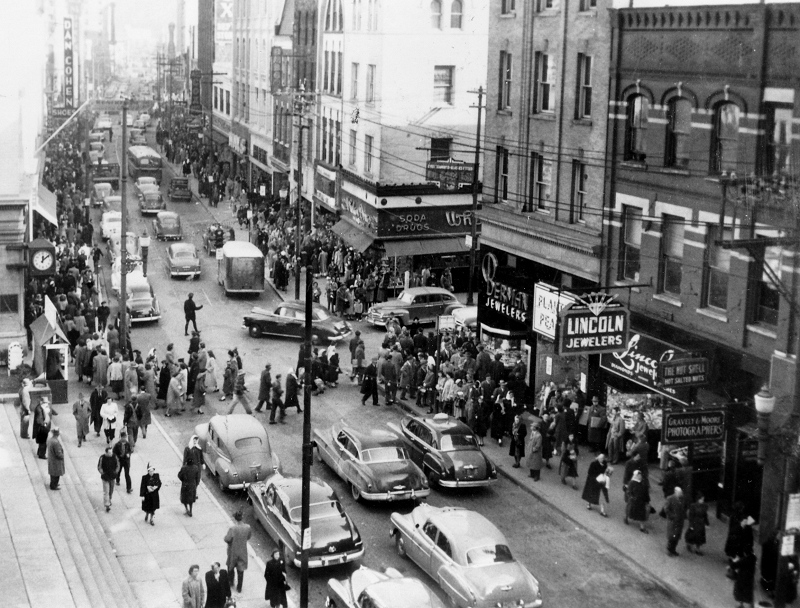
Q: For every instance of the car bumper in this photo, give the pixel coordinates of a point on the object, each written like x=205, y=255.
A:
x=179, y=198
x=170, y=237
x=332, y=560
x=146, y=319
x=151, y=211
x=184, y=273
x=376, y=320
x=394, y=496
x=469, y=483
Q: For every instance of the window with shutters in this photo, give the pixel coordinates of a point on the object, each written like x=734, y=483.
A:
x=544, y=77
x=672, y=231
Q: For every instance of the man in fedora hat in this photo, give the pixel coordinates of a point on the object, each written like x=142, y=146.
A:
x=190, y=309
x=55, y=458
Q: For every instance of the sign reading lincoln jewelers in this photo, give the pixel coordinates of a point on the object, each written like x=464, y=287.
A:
x=596, y=324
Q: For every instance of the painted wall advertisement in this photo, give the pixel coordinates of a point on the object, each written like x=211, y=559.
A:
x=223, y=31
x=639, y=360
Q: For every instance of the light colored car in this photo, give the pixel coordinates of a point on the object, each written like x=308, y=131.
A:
x=143, y=181
x=110, y=224
x=236, y=450
x=375, y=464
x=371, y=588
x=145, y=118
x=334, y=537
x=183, y=260
x=136, y=269
x=97, y=135
x=424, y=303
x=112, y=202
x=143, y=306
x=96, y=151
x=466, y=317
x=467, y=555
x=100, y=190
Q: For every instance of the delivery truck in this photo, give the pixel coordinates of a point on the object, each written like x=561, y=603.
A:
x=241, y=268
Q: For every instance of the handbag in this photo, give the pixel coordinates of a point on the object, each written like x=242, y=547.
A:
x=584, y=419
x=601, y=478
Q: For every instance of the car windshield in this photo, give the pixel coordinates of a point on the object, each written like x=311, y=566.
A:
x=488, y=555
x=319, y=510
x=406, y=297
x=112, y=216
x=185, y=253
x=169, y=222
x=451, y=443
x=247, y=442
x=153, y=197
x=387, y=454
x=321, y=315
x=140, y=295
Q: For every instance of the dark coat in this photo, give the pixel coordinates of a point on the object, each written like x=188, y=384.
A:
x=291, y=391
x=517, y=444
x=217, y=591
x=675, y=510
x=276, y=583
x=265, y=386
x=698, y=520
x=369, y=383
x=150, y=500
x=638, y=499
x=189, y=476
x=533, y=460
x=55, y=457
x=744, y=569
x=595, y=433
x=591, y=491
x=566, y=460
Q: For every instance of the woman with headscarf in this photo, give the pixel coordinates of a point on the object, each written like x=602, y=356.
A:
x=568, y=467
x=193, y=451
x=596, y=478
x=212, y=369
x=275, y=574
x=637, y=508
x=516, y=447
x=148, y=490
x=189, y=476
x=333, y=366
x=109, y=412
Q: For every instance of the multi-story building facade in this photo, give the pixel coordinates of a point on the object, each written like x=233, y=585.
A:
x=222, y=66
x=704, y=142
x=544, y=169
x=396, y=126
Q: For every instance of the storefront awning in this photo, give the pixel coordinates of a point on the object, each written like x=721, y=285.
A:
x=503, y=332
x=455, y=244
x=43, y=331
x=352, y=234
x=46, y=204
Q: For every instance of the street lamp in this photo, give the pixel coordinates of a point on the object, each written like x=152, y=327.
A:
x=765, y=404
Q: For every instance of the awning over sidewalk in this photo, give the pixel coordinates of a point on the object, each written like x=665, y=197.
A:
x=43, y=331
x=352, y=234
x=454, y=244
x=46, y=204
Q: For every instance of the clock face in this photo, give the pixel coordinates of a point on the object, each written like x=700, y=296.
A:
x=43, y=260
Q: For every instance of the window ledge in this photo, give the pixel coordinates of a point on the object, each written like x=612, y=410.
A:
x=762, y=331
x=585, y=122
x=634, y=164
x=548, y=12
x=668, y=299
x=551, y=116
x=509, y=15
x=505, y=113
x=673, y=171
x=627, y=284
x=712, y=314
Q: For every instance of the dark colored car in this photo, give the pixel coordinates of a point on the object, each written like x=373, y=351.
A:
x=425, y=303
x=215, y=237
x=179, y=189
x=151, y=202
x=183, y=261
x=288, y=320
x=447, y=451
x=334, y=537
x=375, y=464
x=167, y=226
x=142, y=303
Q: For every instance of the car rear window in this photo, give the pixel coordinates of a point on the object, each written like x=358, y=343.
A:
x=450, y=443
x=319, y=510
x=488, y=555
x=387, y=454
x=248, y=442
x=169, y=222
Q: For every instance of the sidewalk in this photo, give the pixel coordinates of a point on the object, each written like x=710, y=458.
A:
x=154, y=559
x=698, y=579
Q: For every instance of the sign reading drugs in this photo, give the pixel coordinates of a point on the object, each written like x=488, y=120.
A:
x=596, y=324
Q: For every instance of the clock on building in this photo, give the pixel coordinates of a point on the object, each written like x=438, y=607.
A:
x=41, y=258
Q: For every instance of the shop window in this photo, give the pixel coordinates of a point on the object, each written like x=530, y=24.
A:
x=504, y=81
x=778, y=139
x=443, y=84
x=636, y=128
x=456, y=14
x=578, y=201
x=436, y=14
x=767, y=298
x=440, y=148
x=679, y=126
x=718, y=265
x=672, y=231
x=631, y=243
x=501, y=175
x=583, y=93
x=544, y=77
x=725, y=138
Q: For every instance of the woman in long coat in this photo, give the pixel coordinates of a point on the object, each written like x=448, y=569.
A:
x=149, y=380
x=568, y=466
x=148, y=490
x=275, y=574
x=110, y=414
x=499, y=411
x=199, y=395
x=189, y=476
x=638, y=498
x=516, y=447
x=560, y=430
x=594, y=487
x=533, y=448
x=615, y=440
x=744, y=569
x=173, y=395
x=212, y=369
x=598, y=420
x=698, y=520
x=229, y=378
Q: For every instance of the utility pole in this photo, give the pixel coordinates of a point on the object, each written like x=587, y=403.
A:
x=474, y=223
x=307, y=449
x=300, y=108
x=123, y=250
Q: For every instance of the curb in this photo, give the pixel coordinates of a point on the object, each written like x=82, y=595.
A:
x=631, y=562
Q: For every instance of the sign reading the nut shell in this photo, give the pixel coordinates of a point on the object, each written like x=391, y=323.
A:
x=596, y=324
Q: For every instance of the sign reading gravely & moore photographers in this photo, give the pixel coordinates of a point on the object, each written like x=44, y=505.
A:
x=595, y=324
x=689, y=427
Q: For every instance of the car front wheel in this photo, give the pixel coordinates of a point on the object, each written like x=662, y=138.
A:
x=254, y=331
x=220, y=483
x=355, y=492
x=400, y=545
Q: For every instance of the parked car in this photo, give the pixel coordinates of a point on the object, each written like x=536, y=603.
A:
x=288, y=320
x=142, y=303
x=426, y=303
x=236, y=450
x=370, y=588
x=215, y=237
x=138, y=140
x=375, y=464
x=97, y=135
x=167, y=226
x=467, y=555
x=151, y=202
x=96, y=151
x=334, y=537
x=145, y=118
x=144, y=181
x=136, y=269
x=112, y=202
x=110, y=224
x=466, y=317
x=179, y=189
x=183, y=260
x=100, y=190
x=132, y=243
x=447, y=451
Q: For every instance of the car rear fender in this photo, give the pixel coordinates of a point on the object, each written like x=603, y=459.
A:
x=451, y=307
x=455, y=585
x=338, y=595
x=434, y=462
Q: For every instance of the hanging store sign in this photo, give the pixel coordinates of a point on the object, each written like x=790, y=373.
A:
x=195, y=107
x=69, y=66
x=504, y=299
x=684, y=372
x=449, y=174
x=548, y=302
x=595, y=324
x=692, y=427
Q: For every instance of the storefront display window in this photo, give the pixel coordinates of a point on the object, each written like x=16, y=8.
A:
x=508, y=346
x=629, y=404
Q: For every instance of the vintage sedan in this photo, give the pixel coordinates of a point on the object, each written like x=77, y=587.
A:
x=467, y=555
x=215, y=237
x=144, y=182
x=466, y=318
x=288, y=320
x=167, y=226
x=97, y=135
x=136, y=267
x=151, y=202
x=179, y=190
x=96, y=151
x=142, y=303
x=110, y=224
x=236, y=450
x=100, y=190
x=112, y=202
x=367, y=587
x=447, y=451
x=334, y=537
x=375, y=464
x=183, y=260
x=424, y=303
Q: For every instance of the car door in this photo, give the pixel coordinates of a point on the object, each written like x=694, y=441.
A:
x=341, y=442
x=435, y=306
x=410, y=434
x=426, y=546
x=419, y=308
x=441, y=568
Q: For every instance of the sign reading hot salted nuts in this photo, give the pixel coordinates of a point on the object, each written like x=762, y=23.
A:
x=595, y=324
x=684, y=372
x=691, y=427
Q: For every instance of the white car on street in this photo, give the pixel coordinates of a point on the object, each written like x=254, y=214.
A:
x=110, y=224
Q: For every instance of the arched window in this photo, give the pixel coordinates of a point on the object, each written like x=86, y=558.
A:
x=456, y=14
x=636, y=128
x=679, y=126
x=436, y=14
x=725, y=152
